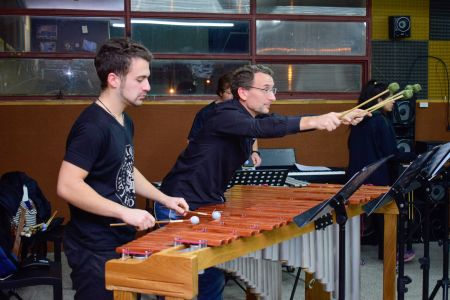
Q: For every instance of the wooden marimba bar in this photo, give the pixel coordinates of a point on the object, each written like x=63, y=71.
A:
x=257, y=222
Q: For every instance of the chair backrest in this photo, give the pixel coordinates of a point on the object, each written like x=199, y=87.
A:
x=18, y=190
x=13, y=186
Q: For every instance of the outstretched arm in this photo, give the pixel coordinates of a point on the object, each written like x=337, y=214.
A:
x=332, y=120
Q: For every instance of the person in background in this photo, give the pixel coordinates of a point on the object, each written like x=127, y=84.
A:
x=98, y=177
x=373, y=139
x=203, y=170
x=224, y=93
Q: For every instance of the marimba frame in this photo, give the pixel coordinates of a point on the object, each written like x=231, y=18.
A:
x=175, y=274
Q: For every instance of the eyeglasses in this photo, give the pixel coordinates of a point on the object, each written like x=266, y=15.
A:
x=266, y=90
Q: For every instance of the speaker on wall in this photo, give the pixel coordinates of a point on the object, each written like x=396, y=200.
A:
x=399, y=27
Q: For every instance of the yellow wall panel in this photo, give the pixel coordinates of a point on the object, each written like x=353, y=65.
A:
x=437, y=80
x=418, y=10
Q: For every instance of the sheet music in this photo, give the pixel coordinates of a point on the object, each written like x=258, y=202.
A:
x=304, y=168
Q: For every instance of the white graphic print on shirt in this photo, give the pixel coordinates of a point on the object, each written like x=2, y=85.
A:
x=125, y=179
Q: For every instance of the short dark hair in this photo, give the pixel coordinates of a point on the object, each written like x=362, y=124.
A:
x=244, y=76
x=223, y=84
x=115, y=55
x=371, y=89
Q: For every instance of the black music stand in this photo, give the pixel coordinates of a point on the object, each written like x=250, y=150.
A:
x=272, y=177
x=404, y=184
x=432, y=170
x=337, y=202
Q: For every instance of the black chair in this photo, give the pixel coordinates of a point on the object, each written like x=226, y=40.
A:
x=35, y=268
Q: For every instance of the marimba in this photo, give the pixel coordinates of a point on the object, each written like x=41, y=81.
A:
x=255, y=233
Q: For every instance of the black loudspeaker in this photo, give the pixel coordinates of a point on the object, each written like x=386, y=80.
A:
x=405, y=145
x=438, y=195
x=438, y=192
x=404, y=131
x=399, y=27
x=404, y=112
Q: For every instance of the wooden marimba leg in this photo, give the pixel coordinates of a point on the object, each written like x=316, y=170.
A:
x=390, y=257
x=315, y=291
x=250, y=296
x=124, y=295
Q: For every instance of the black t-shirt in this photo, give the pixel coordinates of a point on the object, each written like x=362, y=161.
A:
x=203, y=170
x=200, y=119
x=98, y=144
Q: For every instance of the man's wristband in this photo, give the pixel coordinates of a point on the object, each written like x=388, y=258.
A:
x=257, y=152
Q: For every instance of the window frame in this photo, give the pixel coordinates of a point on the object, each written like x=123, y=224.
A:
x=127, y=15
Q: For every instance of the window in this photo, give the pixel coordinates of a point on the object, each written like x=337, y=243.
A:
x=48, y=77
x=312, y=7
x=318, y=49
x=56, y=33
x=192, y=36
x=310, y=38
x=99, y=5
x=310, y=78
x=193, y=6
x=189, y=77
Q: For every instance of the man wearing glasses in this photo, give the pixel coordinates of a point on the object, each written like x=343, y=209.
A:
x=203, y=170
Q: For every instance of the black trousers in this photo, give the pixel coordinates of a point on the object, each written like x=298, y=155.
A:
x=88, y=270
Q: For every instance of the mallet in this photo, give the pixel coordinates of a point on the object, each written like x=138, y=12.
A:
x=392, y=88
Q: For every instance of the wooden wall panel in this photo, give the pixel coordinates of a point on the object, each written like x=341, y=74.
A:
x=33, y=138
x=431, y=122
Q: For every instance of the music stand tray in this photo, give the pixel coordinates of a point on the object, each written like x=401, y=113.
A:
x=435, y=163
x=343, y=194
x=337, y=202
x=405, y=183
x=272, y=177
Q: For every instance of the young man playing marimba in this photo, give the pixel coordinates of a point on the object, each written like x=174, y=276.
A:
x=98, y=177
x=202, y=172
